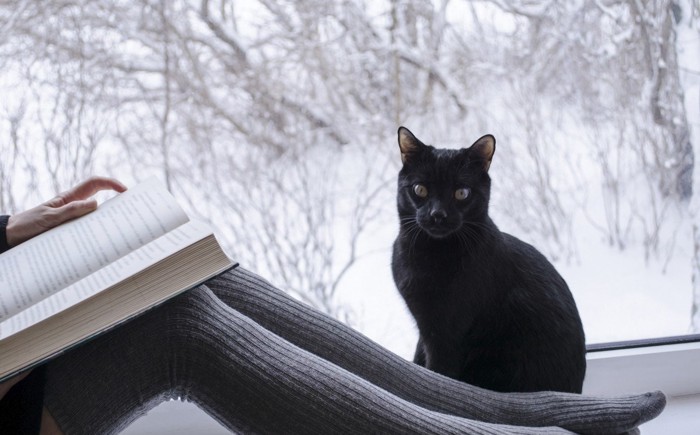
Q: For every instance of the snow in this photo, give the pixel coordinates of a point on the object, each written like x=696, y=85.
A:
x=620, y=295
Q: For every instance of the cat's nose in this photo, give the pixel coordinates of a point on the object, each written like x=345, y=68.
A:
x=438, y=215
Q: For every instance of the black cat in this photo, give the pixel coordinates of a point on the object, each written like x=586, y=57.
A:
x=490, y=309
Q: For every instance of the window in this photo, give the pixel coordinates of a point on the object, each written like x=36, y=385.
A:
x=277, y=121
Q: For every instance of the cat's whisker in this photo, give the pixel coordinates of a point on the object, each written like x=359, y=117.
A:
x=411, y=231
x=415, y=232
x=468, y=240
x=479, y=225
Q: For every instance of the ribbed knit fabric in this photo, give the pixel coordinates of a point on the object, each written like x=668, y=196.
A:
x=249, y=379
x=259, y=362
x=341, y=345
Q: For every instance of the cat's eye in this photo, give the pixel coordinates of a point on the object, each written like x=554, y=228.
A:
x=461, y=194
x=420, y=190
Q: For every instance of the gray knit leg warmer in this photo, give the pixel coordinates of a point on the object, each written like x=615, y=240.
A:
x=248, y=378
x=335, y=342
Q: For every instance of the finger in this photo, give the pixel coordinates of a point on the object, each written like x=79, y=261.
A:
x=86, y=189
x=73, y=209
x=91, y=186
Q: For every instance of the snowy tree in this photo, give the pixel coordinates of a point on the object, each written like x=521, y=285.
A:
x=276, y=120
x=239, y=120
x=246, y=109
x=687, y=14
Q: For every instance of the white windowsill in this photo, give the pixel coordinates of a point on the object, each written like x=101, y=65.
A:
x=671, y=368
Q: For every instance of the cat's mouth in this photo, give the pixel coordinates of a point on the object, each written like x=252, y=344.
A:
x=438, y=231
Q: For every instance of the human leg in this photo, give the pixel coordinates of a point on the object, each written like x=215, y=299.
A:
x=335, y=342
x=248, y=378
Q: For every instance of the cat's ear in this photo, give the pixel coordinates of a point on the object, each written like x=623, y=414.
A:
x=410, y=146
x=482, y=150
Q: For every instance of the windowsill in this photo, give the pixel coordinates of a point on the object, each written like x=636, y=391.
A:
x=646, y=342
x=671, y=365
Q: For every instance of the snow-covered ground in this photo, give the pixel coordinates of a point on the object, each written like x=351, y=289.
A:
x=619, y=295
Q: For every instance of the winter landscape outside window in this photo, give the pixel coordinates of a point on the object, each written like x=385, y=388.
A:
x=276, y=122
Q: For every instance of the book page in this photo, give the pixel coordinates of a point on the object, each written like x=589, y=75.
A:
x=108, y=276
x=52, y=261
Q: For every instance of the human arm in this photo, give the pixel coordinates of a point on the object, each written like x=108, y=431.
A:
x=3, y=237
x=6, y=385
x=68, y=205
x=74, y=202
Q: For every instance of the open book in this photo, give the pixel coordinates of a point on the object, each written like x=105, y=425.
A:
x=81, y=278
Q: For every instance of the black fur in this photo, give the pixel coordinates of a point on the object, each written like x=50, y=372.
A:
x=490, y=309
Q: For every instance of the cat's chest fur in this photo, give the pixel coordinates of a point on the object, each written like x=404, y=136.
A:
x=444, y=289
x=456, y=296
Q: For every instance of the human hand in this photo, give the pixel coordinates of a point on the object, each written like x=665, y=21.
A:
x=68, y=205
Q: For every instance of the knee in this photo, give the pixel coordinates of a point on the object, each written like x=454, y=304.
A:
x=187, y=313
x=239, y=281
x=198, y=322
